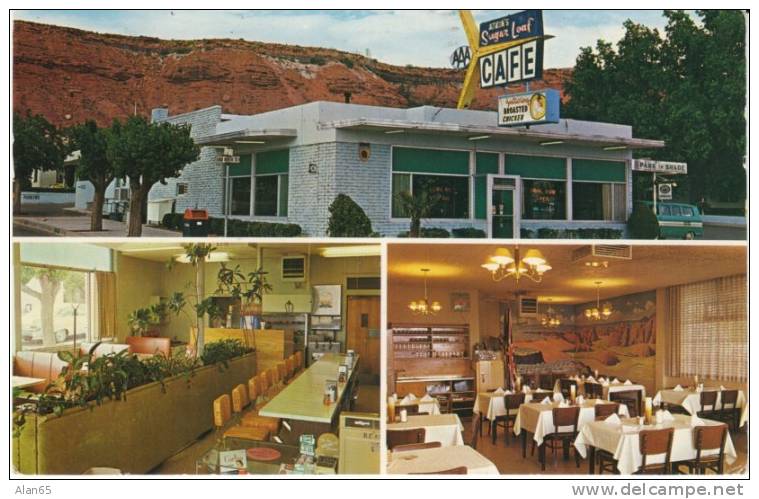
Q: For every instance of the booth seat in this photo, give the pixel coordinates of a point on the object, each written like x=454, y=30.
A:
x=103, y=348
x=43, y=365
x=149, y=346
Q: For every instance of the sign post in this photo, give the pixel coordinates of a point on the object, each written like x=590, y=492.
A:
x=660, y=167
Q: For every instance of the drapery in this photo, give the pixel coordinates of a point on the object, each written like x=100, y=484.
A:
x=105, y=306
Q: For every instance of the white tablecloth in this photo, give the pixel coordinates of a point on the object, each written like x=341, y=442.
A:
x=622, y=441
x=492, y=405
x=430, y=407
x=443, y=428
x=538, y=418
x=690, y=400
x=607, y=387
x=439, y=459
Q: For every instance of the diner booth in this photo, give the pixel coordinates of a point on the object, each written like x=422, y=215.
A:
x=171, y=358
x=567, y=359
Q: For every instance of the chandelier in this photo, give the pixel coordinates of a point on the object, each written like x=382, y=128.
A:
x=550, y=319
x=505, y=264
x=424, y=306
x=598, y=312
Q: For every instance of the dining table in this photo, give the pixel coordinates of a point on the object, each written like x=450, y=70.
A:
x=492, y=405
x=443, y=428
x=608, y=386
x=426, y=404
x=622, y=440
x=690, y=398
x=439, y=459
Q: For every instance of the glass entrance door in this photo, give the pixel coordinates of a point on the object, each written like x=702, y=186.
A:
x=503, y=211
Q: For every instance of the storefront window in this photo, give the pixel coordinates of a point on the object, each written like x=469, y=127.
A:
x=240, y=202
x=544, y=200
x=266, y=195
x=449, y=194
x=401, y=183
x=596, y=201
x=49, y=300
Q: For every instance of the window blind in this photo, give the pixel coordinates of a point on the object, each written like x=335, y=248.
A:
x=711, y=331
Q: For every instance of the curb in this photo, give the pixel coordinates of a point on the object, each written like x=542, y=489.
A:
x=43, y=227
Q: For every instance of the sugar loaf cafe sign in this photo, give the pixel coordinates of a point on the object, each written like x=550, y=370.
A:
x=503, y=51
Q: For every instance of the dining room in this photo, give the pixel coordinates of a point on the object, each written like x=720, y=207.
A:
x=567, y=359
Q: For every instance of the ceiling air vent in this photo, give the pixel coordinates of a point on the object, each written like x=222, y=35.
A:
x=617, y=251
x=294, y=268
x=363, y=283
x=528, y=307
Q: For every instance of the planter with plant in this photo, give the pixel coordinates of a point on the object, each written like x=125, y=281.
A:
x=248, y=288
x=144, y=321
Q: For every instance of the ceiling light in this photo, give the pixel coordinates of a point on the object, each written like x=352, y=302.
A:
x=552, y=143
x=250, y=141
x=534, y=257
x=424, y=306
x=598, y=312
x=218, y=256
x=349, y=251
x=150, y=249
x=393, y=132
x=507, y=264
x=502, y=257
x=614, y=148
x=479, y=137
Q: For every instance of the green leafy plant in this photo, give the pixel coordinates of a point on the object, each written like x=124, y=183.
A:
x=417, y=207
x=249, y=289
x=347, y=219
x=141, y=320
x=643, y=223
x=222, y=351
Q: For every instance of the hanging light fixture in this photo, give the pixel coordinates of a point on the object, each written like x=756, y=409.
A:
x=598, y=312
x=505, y=264
x=550, y=318
x=424, y=306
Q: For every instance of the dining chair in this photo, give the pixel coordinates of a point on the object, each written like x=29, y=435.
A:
x=707, y=438
x=411, y=410
x=729, y=411
x=511, y=403
x=461, y=470
x=476, y=432
x=565, y=385
x=603, y=411
x=656, y=443
x=708, y=399
x=563, y=417
x=593, y=390
x=408, y=447
x=545, y=381
x=445, y=402
x=630, y=398
x=404, y=437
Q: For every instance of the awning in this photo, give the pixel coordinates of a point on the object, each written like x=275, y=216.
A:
x=248, y=136
x=474, y=132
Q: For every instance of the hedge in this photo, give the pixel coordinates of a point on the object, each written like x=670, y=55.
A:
x=430, y=232
x=468, y=233
x=237, y=228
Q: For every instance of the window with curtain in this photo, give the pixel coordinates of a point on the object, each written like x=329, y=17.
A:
x=598, y=201
x=544, y=199
x=710, y=329
x=56, y=306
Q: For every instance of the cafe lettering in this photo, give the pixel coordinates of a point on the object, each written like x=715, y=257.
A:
x=521, y=63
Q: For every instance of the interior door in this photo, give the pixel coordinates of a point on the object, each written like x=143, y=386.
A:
x=363, y=333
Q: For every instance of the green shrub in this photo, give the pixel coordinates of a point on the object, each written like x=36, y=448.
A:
x=548, y=233
x=643, y=223
x=222, y=351
x=216, y=226
x=527, y=233
x=173, y=221
x=468, y=233
x=348, y=219
x=430, y=232
x=242, y=228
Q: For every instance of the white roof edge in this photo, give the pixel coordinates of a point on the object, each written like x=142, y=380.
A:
x=248, y=132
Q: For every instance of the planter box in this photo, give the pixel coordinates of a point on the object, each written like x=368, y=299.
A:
x=134, y=435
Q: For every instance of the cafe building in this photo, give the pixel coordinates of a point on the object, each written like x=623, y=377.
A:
x=114, y=371
x=567, y=359
x=288, y=165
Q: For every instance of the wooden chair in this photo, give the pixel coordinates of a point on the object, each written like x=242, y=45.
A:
x=298, y=361
x=656, y=443
x=476, y=432
x=630, y=398
x=222, y=415
x=562, y=417
x=708, y=401
x=708, y=438
x=530, y=380
x=511, y=403
x=566, y=385
x=290, y=366
x=264, y=383
x=253, y=390
x=411, y=410
x=408, y=447
x=240, y=399
x=603, y=411
x=461, y=470
x=404, y=437
x=274, y=377
x=545, y=381
x=593, y=390
x=445, y=402
x=729, y=411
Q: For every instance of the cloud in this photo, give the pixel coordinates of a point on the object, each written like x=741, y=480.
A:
x=417, y=37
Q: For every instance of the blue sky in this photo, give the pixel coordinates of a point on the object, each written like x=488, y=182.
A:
x=388, y=35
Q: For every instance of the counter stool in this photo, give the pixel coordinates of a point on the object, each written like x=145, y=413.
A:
x=282, y=372
x=222, y=414
x=253, y=390
x=240, y=399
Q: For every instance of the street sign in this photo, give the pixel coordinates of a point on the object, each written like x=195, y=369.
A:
x=523, y=62
x=230, y=159
x=651, y=166
x=461, y=57
x=519, y=26
x=529, y=108
x=664, y=191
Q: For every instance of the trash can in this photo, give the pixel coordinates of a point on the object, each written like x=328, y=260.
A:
x=195, y=223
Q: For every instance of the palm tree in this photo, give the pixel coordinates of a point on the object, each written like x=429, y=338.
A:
x=417, y=207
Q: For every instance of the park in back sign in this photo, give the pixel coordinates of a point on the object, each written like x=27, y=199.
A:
x=529, y=108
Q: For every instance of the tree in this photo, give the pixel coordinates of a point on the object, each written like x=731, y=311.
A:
x=417, y=207
x=347, y=219
x=50, y=281
x=94, y=165
x=37, y=145
x=147, y=153
x=687, y=88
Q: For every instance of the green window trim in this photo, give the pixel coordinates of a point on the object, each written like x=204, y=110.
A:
x=284, y=183
x=241, y=169
x=271, y=162
x=486, y=162
x=539, y=167
x=595, y=170
x=407, y=159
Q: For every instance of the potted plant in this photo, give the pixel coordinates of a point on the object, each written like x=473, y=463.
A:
x=249, y=289
x=143, y=321
x=215, y=315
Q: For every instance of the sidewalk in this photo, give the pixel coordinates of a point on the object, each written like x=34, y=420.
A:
x=79, y=226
